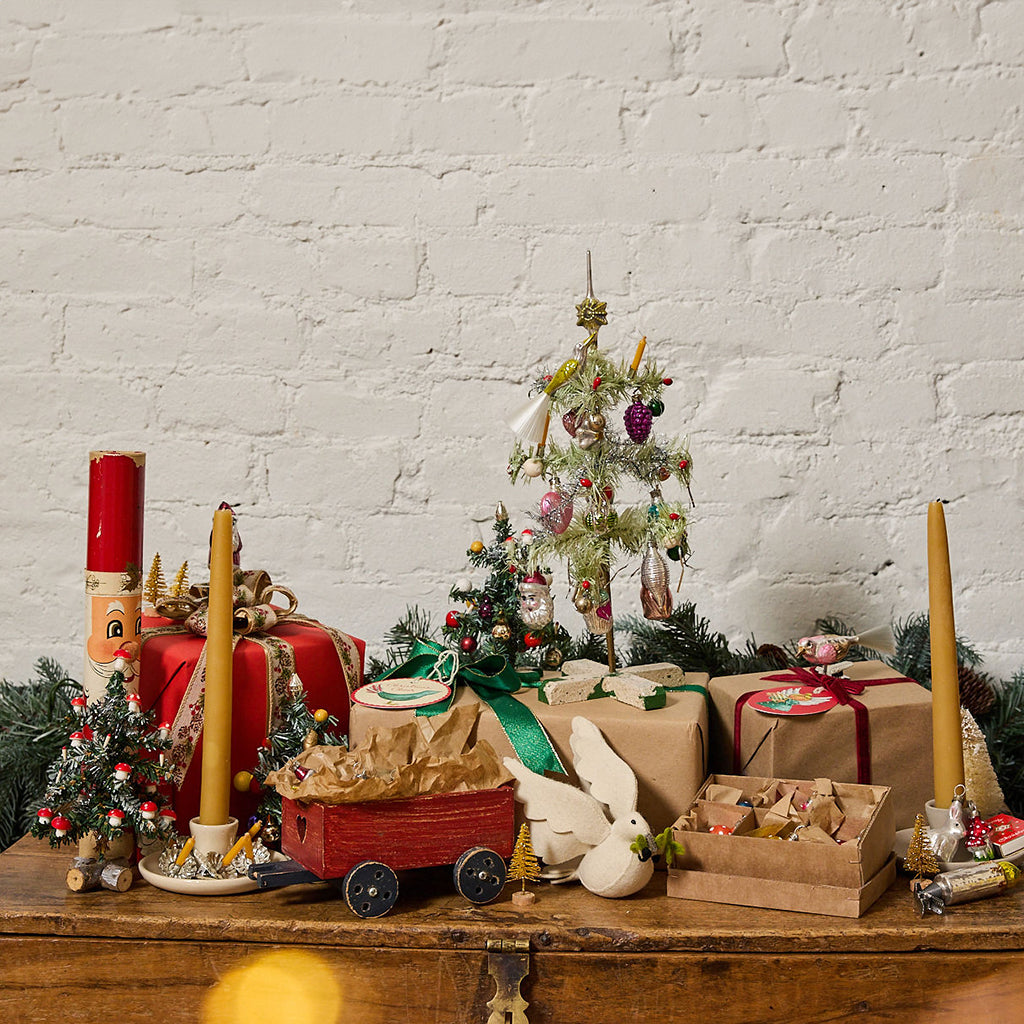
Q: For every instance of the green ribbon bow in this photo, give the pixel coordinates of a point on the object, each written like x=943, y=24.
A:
x=494, y=681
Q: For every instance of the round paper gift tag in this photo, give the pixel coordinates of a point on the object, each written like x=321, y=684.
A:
x=402, y=693
x=793, y=700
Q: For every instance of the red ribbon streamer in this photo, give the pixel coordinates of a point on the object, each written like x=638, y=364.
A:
x=842, y=689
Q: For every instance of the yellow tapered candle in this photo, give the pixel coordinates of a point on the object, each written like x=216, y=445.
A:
x=215, y=794
x=947, y=739
x=639, y=355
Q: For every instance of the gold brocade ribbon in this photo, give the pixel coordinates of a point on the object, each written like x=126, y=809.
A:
x=253, y=617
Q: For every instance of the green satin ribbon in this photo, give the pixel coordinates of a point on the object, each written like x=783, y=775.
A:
x=494, y=681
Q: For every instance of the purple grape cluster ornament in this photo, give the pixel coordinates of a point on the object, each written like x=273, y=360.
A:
x=638, y=420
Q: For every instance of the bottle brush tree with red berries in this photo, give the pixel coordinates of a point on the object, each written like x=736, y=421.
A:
x=511, y=612
x=109, y=778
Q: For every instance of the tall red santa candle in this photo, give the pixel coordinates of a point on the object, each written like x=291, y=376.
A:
x=113, y=569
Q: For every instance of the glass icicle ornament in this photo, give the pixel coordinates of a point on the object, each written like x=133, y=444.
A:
x=655, y=591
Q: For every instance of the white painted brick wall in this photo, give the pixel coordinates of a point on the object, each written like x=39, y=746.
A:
x=306, y=255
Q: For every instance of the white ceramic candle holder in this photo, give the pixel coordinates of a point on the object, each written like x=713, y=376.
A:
x=213, y=838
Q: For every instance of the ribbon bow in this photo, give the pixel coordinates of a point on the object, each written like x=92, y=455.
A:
x=844, y=690
x=253, y=612
x=493, y=680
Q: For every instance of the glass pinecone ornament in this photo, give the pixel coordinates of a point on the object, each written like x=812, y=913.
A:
x=638, y=420
x=976, y=693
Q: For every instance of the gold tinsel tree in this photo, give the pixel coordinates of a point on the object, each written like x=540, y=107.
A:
x=179, y=585
x=524, y=865
x=920, y=857
x=155, y=587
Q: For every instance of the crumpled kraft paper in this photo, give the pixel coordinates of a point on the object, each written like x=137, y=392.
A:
x=426, y=755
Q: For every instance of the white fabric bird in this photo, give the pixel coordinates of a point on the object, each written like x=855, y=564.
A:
x=570, y=827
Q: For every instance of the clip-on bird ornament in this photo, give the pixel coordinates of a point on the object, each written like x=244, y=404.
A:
x=591, y=833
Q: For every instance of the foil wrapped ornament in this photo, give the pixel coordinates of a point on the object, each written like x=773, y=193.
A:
x=569, y=422
x=556, y=511
x=536, y=607
x=638, y=420
x=655, y=591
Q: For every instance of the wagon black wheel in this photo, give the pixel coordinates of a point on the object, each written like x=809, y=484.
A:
x=370, y=889
x=479, y=875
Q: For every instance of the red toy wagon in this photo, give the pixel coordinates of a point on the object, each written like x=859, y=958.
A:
x=360, y=846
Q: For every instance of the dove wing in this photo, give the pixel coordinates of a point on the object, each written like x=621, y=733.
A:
x=602, y=772
x=565, y=808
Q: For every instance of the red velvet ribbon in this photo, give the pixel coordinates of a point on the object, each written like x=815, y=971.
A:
x=842, y=689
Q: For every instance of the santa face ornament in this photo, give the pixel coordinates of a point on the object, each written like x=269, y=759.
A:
x=536, y=606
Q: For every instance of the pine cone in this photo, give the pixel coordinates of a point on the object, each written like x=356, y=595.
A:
x=770, y=652
x=976, y=693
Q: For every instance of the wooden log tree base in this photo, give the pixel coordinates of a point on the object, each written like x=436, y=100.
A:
x=86, y=873
x=645, y=957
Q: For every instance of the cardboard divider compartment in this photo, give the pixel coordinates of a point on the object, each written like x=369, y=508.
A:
x=840, y=876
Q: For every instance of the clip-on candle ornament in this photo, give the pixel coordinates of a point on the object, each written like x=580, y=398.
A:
x=577, y=519
x=113, y=569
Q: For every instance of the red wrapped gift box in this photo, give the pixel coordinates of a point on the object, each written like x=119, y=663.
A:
x=329, y=671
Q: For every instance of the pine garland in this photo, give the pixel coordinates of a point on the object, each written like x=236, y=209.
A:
x=32, y=715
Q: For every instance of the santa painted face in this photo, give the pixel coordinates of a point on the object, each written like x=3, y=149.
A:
x=536, y=607
x=113, y=641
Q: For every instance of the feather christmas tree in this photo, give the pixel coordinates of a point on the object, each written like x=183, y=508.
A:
x=578, y=521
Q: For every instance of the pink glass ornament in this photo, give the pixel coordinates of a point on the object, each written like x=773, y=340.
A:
x=556, y=511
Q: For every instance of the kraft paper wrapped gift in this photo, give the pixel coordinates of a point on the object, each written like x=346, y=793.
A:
x=666, y=747
x=892, y=747
x=820, y=876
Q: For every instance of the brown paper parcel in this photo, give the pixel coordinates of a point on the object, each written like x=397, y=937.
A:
x=664, y=747
x=816, y=874
x=899, y=719
x=392, y=763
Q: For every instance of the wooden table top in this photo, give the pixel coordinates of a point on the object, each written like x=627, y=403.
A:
x=429, y=915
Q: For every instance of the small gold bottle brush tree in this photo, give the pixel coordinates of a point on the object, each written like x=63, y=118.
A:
x=577, y=519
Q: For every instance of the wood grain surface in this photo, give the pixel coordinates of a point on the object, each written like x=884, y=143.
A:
x=146, y=954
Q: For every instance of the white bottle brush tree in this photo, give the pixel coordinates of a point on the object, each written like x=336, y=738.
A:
x=608, y=411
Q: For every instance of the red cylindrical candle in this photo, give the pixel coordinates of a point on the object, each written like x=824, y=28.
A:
x=116, y=497
x=113, y=569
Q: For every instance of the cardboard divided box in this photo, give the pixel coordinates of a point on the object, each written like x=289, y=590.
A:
x=899, y=717
x=839, y=879
x=666, y=747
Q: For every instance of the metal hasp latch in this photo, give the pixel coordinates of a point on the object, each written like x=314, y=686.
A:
x=508, y=962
